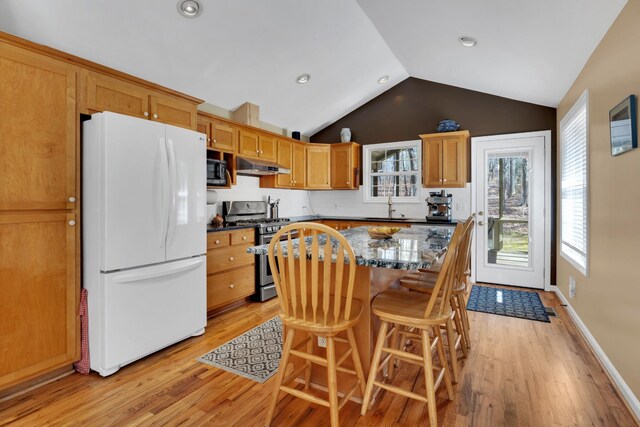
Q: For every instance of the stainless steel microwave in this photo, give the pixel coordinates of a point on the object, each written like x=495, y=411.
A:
x=216, y=172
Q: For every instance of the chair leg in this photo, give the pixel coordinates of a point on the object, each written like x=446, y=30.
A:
x=332, y=382
x=462, y=303
x=394, y=345
x=375, y=364
x=460, y=331
x=288, y=343
x=443, y=361
x=307, y=372
x=452, y=351
x=357, y=363
x=428, y=378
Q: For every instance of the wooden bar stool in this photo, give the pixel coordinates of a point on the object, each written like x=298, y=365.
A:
x=424, y=313
x=315, y=294
x=424, y=281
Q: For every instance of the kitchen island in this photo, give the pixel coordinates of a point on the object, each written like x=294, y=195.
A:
x=379, y=266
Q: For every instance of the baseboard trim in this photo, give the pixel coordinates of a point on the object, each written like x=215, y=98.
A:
x=630, y=399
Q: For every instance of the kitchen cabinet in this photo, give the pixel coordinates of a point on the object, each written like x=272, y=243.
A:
x=106, y=93
x=230, y=269
x=39, y=211
x=290, y=155
x=318, y=171
x=345, y=166
x=445, y=159
x=221, y=135
x=257, y=145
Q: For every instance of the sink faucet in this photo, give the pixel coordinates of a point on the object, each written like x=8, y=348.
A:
x=391, y=210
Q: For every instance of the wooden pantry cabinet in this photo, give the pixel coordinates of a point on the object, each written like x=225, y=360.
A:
x=39, y=211
x=445, y=159
x=106, y=93
x=230, y=269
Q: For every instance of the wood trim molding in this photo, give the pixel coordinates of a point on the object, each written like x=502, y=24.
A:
x=85, y=63
x=630, y=399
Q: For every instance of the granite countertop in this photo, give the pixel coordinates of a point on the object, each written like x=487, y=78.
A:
x=363, y=219
x=409, y=249
x=211, y=229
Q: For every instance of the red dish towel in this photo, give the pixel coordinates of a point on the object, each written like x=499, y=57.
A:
x=82, y=366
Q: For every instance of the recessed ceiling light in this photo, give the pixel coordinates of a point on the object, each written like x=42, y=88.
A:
x=467, y=41
x=303, y=78
x=383, y=79
x=190, y=8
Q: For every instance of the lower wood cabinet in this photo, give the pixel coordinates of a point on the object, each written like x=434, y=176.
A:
x=39, y=287
x=346, y=225
x=230, y=269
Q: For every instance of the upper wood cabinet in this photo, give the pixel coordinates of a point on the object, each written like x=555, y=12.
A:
x=318, y=166
x=105, y=93
x=248, y=143
x=298, y=165
x=445, y=158
x=221, y=135
x=37, y=131
x=284, y=159
x=267, y=146
x=345, y=165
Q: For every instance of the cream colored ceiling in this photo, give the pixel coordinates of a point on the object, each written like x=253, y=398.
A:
x=252, y=50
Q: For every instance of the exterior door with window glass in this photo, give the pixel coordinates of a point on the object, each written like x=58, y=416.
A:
x=509, y=193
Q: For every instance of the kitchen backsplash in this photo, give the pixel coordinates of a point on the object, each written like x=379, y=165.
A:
x=350, y=203
x=292, y=202
x=334, y=203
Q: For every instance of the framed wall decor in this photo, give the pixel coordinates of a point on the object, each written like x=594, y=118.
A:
x=623, y=126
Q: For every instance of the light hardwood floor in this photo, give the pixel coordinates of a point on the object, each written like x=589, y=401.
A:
x=519, y=373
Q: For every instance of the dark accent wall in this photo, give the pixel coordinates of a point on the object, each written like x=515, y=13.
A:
x=415, y=106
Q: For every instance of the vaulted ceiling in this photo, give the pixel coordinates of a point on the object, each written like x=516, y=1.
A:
x=253, y=50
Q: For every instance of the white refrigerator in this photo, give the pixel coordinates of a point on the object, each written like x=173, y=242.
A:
x=144, y=237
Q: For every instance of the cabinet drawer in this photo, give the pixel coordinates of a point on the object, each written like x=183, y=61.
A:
x=217, y=240
x=228, y=258
x=243, y=236
x=230, y=286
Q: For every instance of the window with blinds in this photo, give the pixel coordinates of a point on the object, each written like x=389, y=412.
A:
x=574, y=139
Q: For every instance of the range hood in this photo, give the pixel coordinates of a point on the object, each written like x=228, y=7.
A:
x=258, y=168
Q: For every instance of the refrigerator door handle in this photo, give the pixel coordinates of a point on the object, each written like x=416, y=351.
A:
x=173, y=184
x=178, y=267
x=163, y=211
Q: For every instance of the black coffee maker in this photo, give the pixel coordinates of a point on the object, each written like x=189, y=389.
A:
x=439, y=206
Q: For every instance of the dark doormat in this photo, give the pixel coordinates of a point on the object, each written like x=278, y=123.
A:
x=507, y=302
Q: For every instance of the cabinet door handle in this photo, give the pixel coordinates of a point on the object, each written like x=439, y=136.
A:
x=155, y=116
x=72, y=199
x=244, y=237
x=217, y=242
x=208, y=139
x=444, y=180
x=231, y=286
x=146, y=114
x=348, y=183
x=72, y=222
x=230, y=258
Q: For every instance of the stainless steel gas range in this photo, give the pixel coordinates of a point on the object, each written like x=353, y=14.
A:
x=254, y=213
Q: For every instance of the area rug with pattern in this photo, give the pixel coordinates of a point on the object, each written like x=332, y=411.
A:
x=507, y=302
x=254, y=354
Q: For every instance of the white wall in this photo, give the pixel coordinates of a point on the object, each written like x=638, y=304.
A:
x=292, y=202
x=350, y=203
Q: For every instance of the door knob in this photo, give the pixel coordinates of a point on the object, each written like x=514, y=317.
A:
x=480, y=222
x=481, y=213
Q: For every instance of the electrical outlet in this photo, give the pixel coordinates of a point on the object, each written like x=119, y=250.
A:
x=322, y=342
x=572, y=287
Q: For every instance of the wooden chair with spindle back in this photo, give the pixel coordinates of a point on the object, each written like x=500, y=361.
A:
x=316, y=298
x=424, y=281
x=424, y=313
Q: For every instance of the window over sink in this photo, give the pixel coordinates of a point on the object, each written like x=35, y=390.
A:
x=392, y=169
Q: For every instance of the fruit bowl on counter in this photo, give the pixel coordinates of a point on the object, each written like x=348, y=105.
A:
x=382, y=232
